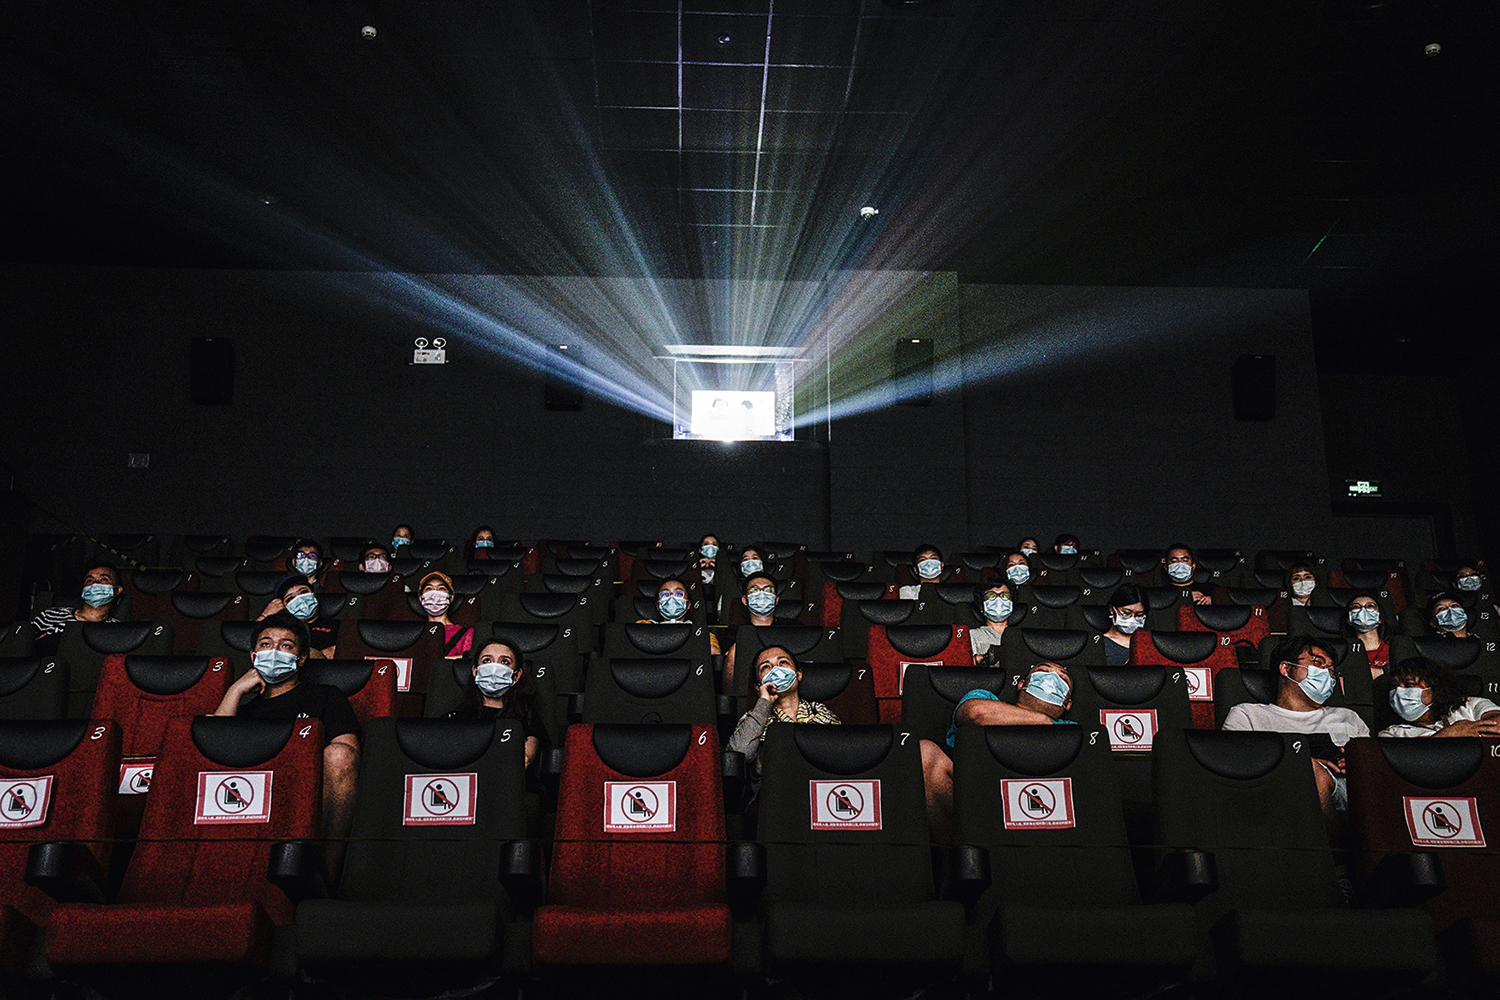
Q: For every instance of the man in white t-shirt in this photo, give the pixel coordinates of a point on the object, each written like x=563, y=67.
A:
x=1308, y=679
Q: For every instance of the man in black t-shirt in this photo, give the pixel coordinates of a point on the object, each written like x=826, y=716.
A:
x=272, y=690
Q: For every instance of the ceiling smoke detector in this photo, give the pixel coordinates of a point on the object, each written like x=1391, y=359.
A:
x=869, y=212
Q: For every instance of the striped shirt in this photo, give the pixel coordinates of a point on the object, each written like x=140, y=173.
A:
x=54, y=620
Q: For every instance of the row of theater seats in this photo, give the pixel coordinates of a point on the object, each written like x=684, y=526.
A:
x=446, y=879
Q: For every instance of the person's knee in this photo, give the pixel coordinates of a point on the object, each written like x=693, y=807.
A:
x=937, y=769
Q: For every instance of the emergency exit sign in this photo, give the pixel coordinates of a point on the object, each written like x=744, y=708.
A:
x=1362, y=488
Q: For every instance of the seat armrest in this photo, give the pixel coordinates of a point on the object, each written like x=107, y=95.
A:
x=521, y=873
x=66, y=870
x=298, y=868
x=1184, y=875
x=734, y=768
x=1403, y=878
x=745, y=875
x=967, y=873
x=575, y=707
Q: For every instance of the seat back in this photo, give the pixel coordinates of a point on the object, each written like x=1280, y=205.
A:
x=188, y=611
x=1236, y=625
x=150, y=590
x=1199, y=655
x=379, y=595
x=644, y=640
x=369, y=684
x=847, y=690
x=1024, y=647
x=414, y=646
x=16, y=638
x=141, y=694
x=808, y=643
x=932, y=693
x=636, y=691
x=564, y=610
x=33, y=687
x=1132, y=704
x=1099, y=584
x=85, y=645
x=894, y=648
x=1054, y=606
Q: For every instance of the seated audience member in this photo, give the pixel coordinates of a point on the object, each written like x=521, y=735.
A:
x=672, y=608
x=1127, y=615
x=1027, y=546
x=1307, y=681
x=927, y=567
x=435, y=594
x=375, y=559
x=751, y=560
x=1066, y=545
x=760, y=599
x=1446, y=616
x=400, y=535
x=1428, y=698
x=294, y=596
x=1366, y=626
x=1180, y=566
x=1017, y=570
x=1467, y=579
x=307, y=562
x=708, y=557
x=1045, y=697
x=503, y=689
x=101, y=587
x=777, y=701
x=481, y=544
x=992, y=606
x=272, y=690
x=1301, y=581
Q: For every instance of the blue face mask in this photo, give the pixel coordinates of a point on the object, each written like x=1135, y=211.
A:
x=1469, y=582
x=1407, y=703
x=1317, y=685
x=761, y=602
x=1044, y=685
x=672, y=606
x=97, y=595
x=398, y=540
x=274, y=665
x=1451, y=619
x=1180, y=572
x=1018, y=574
x=751, y=566
x=997, y=609
x=494, y=679
x=1068, y=550
x=1364, y=619
x=780, y=678
x=485, y=543
x=306, y=565
x=303, y=607
x=708, y=551
x=928, y=569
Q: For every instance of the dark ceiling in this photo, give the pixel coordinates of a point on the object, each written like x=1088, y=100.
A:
x=1304, y=143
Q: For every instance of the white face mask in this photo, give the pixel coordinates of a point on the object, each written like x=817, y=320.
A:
x=1129, y=623
x=377, y=564
x=435, y=602
x=494, y=679
x=1303, y=587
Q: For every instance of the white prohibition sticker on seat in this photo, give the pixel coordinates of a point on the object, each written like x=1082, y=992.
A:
x=634, y=806
x=24, y=802
x=1200, y=683
x=1038, y=803
x=135, y=775
x=1129, y=729
x=403, y=670
x=1452, y=822
x=845, y=805
x=901, y=678
x=233, y=797
x=440, y=799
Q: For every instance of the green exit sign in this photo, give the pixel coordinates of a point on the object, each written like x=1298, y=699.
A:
x=1362, y=488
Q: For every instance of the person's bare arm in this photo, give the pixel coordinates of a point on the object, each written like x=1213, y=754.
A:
x=980, y=712
x=248, y=684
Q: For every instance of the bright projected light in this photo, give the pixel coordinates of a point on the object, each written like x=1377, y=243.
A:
x=732, y=416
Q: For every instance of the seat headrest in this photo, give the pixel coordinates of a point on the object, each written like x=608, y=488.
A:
x=1281, y=559
x=349, y=676
x=118, y=637
x=1035, y=750
x=230, y=741
x=953, y=593
x=1261, y=685
x=218, y=565
x=261, y=583
x=589, y=553
x=1239, y=756
x=493, y=568
x=1327, y=621
x=1056, y=597
x=390, y=637
x=1223, y=617
x=842, y=571
x=655, y=678
x=1433, y=763
x=781, y=550
x=1448, y=650
x=670, y=555
x=796, y=639
x=30, y=745
x=1139, y=560
x=886, y=612
x=203, y=604
x=1366, y=579
x=1217, y=560
x=156, y=581
x=1129, y=685
x=427, y=548
x=1058, y=562
x=237, y=635
x=526, y=636
x=642, y=751
x=204, y=544
x=665, y=569
x=823, y=681
x=952, y=683
x=165, y=675
x=18, y=671
x=1262, y=596
x=442, y=744
x=1054, y=643
x=332, y=605
x=1161, y=598
x=363, y=584
x=979, y=560
x=659, y=640
x=1101, y=579
x=576, y=567
x=265, y=551
x=860, y=591
x=548, y=605
x=919, y=640
x=843, y=749
x=1185, y=647
x=561, y=583
x=469, y=584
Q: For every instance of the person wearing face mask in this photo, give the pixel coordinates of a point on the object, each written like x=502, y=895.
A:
x=101, y=589
x=708, y=558
x=375, y=559
x=400, y=536
x=761, y=601
x=1429, y=701
x=1447, y=616
x=435, y=594
x=672, y=604
x=1027, y=547
x=1365, y=624
x=503, y=688
x=1179, y=565
x=294, y=596
x=1017, y=573
x=1308, y=680
x=1301, y=581
x=272, y=690
x=481, y=544
x=778, y=700
x=992, y=606
x=927, y=567
x=1066, y=545
x=750, y=560
x=1127, y=615
x=307, y=562
x=1468, y=580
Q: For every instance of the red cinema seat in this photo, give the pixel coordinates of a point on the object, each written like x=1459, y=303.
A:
x=413, y=646
x=197, y=890
x=892, y=648
x=1198, y=654
x=1239, y=626
x=638, y=867
x=370, y=685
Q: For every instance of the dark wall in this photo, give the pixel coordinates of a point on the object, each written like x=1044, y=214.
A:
x=1102, y=411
